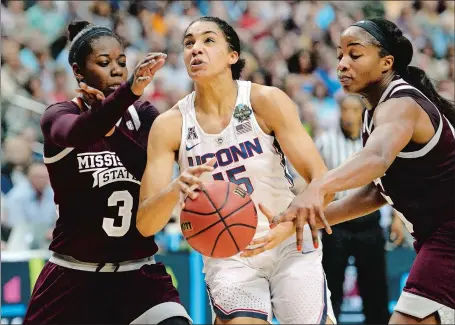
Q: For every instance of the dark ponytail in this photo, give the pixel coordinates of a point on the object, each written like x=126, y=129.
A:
x=419, y=79
x=389, y=38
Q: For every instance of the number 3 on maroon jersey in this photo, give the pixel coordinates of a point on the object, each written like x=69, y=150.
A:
x=124, y=211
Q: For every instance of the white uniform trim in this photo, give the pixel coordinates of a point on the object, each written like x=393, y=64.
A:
x=162, y=312
x=368, y=127
x=72, y=263
x=421, y=307
x=134, y=116
x=389, y=88
x=62, y=154
x=434, y=140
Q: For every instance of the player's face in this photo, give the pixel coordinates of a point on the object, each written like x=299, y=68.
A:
x=359, y=63
x=38, y=176
x=351, y=113
x=106, y=66
x=206, y=52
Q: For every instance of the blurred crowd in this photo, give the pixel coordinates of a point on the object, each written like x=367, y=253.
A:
x=287, y=44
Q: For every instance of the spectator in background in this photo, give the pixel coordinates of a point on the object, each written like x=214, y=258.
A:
x=447, y=86
x=14, y=73
x=302, y=64
x=13, y=20
x=46, y=18
x=101, y=13
x=362, y=238
x=325, y=108
x=31, y=201
x=17, y=155
x=60, y=91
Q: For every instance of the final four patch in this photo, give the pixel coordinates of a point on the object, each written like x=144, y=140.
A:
x=242, y=112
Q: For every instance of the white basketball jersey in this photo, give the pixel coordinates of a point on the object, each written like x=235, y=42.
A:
x=245, y=155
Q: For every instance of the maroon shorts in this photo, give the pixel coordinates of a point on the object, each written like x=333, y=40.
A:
x=433, y=271
x=66, y=296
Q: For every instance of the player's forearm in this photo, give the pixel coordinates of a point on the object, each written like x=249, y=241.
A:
x=155, y=212
x=132, y=155
x=359, y=170
x=358, y=204
x=92, y=125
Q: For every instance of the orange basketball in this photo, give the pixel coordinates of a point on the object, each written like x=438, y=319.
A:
x=221, y=221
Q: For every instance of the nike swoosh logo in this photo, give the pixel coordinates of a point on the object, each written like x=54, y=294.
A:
x=189, y=148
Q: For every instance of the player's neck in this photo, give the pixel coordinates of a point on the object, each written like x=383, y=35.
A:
x=218, y=96
x=371, y=96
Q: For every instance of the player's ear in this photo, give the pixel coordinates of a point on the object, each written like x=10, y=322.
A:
x=387, y=63
x=77, y=73
x=233, y=57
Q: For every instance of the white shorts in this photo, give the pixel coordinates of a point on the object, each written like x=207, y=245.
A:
x=282, y=282
x=421, y=307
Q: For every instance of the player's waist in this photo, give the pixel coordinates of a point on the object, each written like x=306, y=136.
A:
x=72, y=263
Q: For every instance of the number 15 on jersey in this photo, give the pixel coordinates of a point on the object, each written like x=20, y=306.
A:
x=233, y=176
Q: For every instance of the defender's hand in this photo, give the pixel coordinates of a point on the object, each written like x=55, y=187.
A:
x=274, y=237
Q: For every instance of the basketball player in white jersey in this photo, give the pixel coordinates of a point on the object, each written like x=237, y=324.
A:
x=239, y=132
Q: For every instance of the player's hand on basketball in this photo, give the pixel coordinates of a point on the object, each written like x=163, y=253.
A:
x=145, y=70
x=89, y=94
x=306, y=208
x=188, y=182
x=274, y=237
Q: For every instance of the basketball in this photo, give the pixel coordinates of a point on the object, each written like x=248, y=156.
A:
x=221, y=221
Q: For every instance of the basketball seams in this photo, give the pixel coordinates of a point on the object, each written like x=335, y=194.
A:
x=227, y=228
x=217, y=210
x=221, y=217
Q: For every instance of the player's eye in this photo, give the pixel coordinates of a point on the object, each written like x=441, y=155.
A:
x=188, y=43
x=122, y=64
x=103, y=64
x=339, y=57
x=355, y=57
x=209, y=40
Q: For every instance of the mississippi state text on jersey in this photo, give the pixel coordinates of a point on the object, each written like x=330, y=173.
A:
x=96, y=192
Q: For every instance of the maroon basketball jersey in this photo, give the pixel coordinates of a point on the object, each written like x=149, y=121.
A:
x=95, y=193
x=420, y=183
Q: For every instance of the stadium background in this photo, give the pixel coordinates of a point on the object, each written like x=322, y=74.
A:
x=288, y=44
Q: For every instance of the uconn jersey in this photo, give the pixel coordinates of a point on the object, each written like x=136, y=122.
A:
x=245, y=154
x=420, y=182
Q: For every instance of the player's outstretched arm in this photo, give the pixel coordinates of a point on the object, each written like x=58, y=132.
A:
x=63, y=127
x=358, y=203
x=394, y=128
x=159, y=193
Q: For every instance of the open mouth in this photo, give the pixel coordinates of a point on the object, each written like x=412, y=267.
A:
x=115, y=86
x=196, y=62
